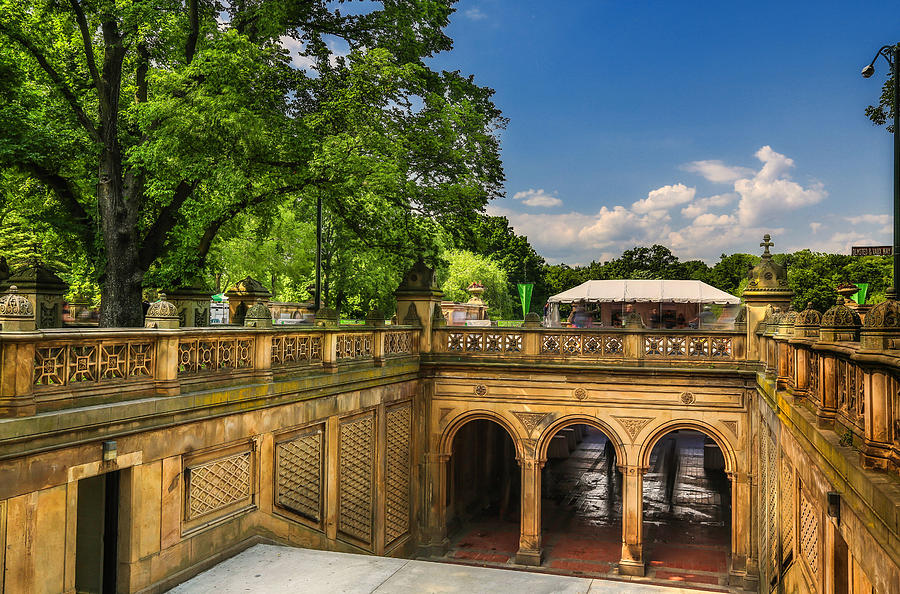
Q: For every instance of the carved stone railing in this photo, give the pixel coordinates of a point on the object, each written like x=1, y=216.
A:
x=54, y=369
x=653, y=347
x=850, y=390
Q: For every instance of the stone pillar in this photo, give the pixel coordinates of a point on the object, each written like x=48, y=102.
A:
x=434, y=541
x=530, y=523
x=827, y=406
x=741, y=522
x=632, y=562
x=768, y=287
x=419, y=302
x=242, y=296
x=192, y=303
x=44, y=290
x=876, y=449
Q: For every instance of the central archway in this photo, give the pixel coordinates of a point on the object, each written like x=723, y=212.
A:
x=581, y=496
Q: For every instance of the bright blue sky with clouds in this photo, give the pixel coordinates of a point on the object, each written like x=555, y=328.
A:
x=697, y=125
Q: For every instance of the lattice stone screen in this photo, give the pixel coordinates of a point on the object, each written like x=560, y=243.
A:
x=216, y=484
x=396, y=510
x=787, y=509
x=299, y=478
x=357, y=453
x=772, y=502
x=809, y=533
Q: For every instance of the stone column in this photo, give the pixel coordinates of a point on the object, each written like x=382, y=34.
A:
x=530, y=523
x=877, y=441
x=632, y=562
x=827, y=406
x=768, y=286
x=741, y=522
x=434, y=542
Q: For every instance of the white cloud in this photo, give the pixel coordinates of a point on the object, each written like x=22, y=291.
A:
x=716, y=171
x=534, y=197
x=771, y=192
x=873, y=219
x=475, y=14
x=664, y=198
x=693, y=227
x=295, y=47
x=702, y=205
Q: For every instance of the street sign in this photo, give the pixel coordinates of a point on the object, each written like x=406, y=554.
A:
x=871, y=250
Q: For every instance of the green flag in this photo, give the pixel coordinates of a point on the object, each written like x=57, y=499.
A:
x=860, y=296
x=525, y=296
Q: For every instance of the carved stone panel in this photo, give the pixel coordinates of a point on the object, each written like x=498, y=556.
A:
x=633, y=425
x=299, y=475
x=217, y=484
x=530, y=420
x=397, y=476
x=357, y=453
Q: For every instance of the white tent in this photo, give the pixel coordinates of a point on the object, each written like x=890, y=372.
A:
x=645, y=291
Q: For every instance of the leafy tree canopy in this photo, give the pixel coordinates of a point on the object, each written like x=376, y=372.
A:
x=149, y=128
x=463, y=268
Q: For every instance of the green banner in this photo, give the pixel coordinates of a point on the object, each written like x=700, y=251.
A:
x=860, y=296
x=525, y=296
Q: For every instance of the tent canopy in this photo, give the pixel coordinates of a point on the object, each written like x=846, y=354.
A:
x=654, y=291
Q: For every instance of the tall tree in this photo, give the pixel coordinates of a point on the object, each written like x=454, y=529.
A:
x=155, y=125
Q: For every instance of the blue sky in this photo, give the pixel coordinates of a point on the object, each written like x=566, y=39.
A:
x=697, y=125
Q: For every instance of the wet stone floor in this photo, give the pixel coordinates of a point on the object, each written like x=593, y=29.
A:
x=686, y=517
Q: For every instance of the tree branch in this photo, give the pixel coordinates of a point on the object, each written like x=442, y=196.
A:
x=56, y=79
x=232, y=211
x=194, y=33
x=65, y=192
x=155, y=238
x=88, y=44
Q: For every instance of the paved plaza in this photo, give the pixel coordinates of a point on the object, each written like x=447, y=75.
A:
x=269, y=569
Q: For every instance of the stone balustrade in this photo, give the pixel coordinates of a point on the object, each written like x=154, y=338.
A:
x=650, y=347
x=53, y=369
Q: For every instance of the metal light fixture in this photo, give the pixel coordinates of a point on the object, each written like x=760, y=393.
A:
x=891, y=53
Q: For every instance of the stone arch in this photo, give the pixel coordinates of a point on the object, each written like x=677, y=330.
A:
x=724, y=444
x=445, y=446
x=581, y=419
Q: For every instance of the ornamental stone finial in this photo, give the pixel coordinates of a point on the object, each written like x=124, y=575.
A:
x=766, y=243
x=162, y=314
x=258, y=316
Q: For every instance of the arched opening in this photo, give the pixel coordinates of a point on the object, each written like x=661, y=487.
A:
x=687, y=509
x=581, y=501
x=483, y=493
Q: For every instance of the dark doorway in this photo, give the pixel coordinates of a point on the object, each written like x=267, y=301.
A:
x=687, y=510
x=841, y=564
x=96, y=538
x=581, y=502
x=484, y=492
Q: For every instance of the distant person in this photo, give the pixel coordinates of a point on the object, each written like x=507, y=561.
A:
x=680, y=322
x=707, y=317
x=654, y=318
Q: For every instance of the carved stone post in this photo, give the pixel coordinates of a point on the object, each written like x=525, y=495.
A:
x=876, y=449
x=768, y=287
x=328, y=318
x=44, y=290
x=419, y=302
x=242, y=296
x=827, y=406
x=530, y=523
x=632, y=562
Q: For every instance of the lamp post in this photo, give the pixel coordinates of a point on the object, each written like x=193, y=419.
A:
x=891, y=53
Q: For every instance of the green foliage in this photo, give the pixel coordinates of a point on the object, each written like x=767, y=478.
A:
x=494, y=238
x=463, y=268
x=151, y=128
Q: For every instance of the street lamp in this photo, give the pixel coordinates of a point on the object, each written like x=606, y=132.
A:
x=891, y=53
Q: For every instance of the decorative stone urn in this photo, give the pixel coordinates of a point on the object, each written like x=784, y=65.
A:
x=161, y=314
x=881, y=328
x=840, y=324
x=808, y=322
x=258, y=316
x=16, y=312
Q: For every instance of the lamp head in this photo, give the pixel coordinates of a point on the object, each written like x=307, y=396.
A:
x=868, y=71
